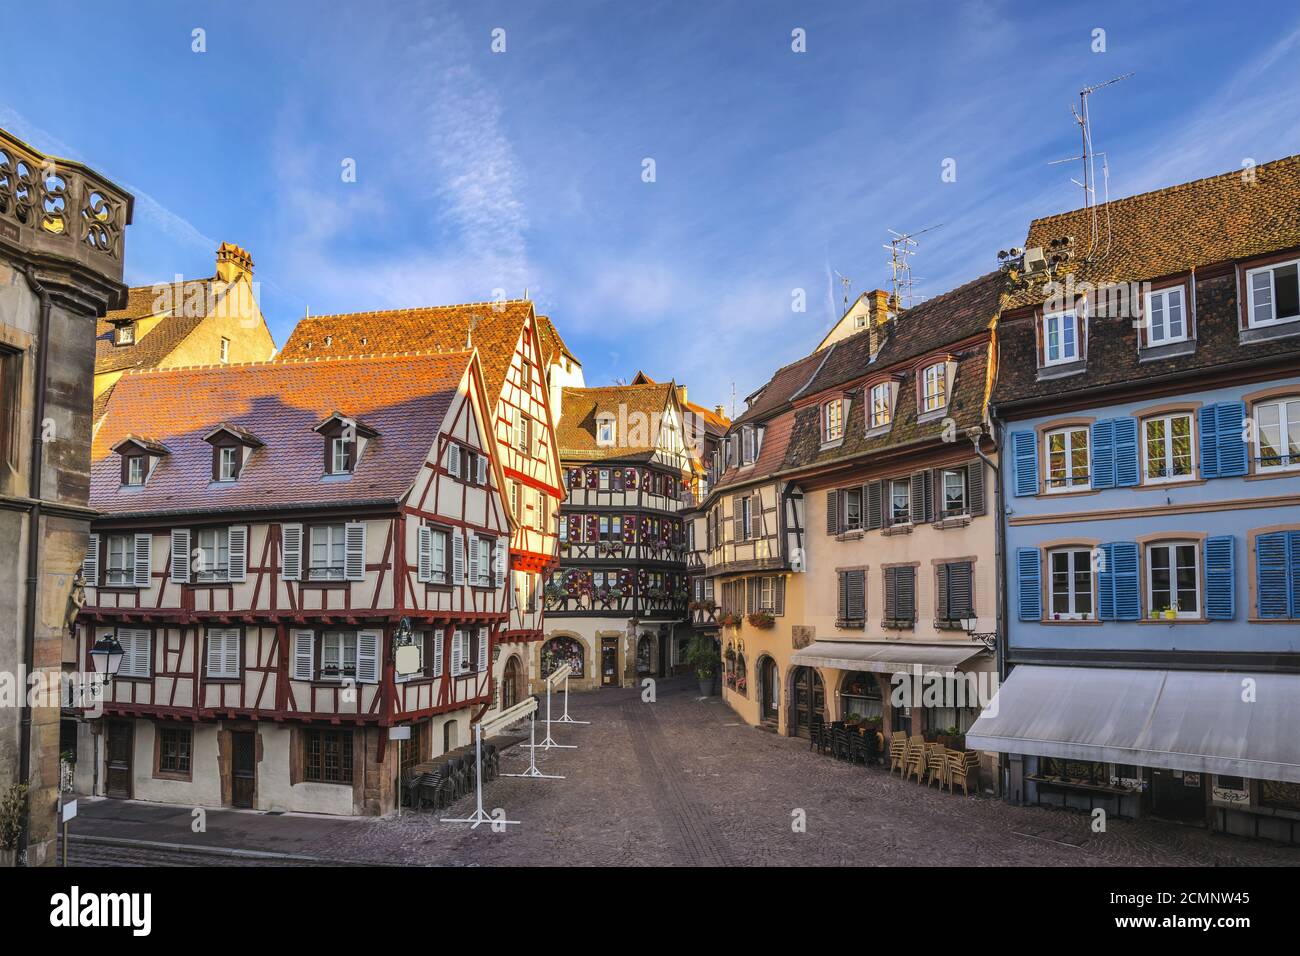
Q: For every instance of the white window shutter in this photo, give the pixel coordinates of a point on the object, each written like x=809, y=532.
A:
x=453, y=460
x=143, y=560
x=216, y=651
x=238, y=563
x=482, y=649
x=368, y=657
x=424, y=563
x=181, y=555
x=291, y=551
x=482, y=469
x=457, y=558
x=354, y=548
x=304, y=653
x=437, y=653
x=499, y=562
x=473, y=561
x=231, y=659
x=135, y=652
x=456, y=652
x=90, y=563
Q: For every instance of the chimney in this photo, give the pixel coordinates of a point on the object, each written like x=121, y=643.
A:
x=879, y=321
x=720, y=411
x=681, y=394
x=233, y=262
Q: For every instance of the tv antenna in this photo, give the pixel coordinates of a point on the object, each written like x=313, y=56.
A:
x=901, y=249
x=1087, y=157
x=847, y=283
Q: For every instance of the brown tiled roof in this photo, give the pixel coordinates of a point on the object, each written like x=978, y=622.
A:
x=552, y=343
x=1154, y=235
x=771, y=454
x=785, y=383
x=577, y=429
x=440, y=328
x=148, y=350
x=714, y=424
x=403, y=397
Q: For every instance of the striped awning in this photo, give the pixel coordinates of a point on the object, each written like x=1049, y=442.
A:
x=887, y=657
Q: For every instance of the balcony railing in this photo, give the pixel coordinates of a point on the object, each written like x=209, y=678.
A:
x=60, y=208
x=618, y=551
x=625, y=605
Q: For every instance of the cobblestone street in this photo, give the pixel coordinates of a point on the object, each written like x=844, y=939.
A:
x=681, y=782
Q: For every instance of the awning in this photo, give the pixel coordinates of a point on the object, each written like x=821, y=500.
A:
x=1180, y=720
x=887, y=657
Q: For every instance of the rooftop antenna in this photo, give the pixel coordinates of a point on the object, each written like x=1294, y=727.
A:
x=1087, y=158
x=733, y=399
x=469, y=332
x=847, y=283
x=901, y=249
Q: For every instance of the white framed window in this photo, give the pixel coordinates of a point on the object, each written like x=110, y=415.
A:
x=327, y=552
x=1166, y=316
x=484, y=546
x=1173, y=579
x=214, y=554
x=1060, y=337
x=523, y=432
x=338, y=655
x=860, y=321
x=767, y=594
x=1277, y=435
x=125, y=334
x=439, y=562
x=605, y=432
x=881, y=401
x=1067, y=459
x=225, y=350
x=602, y=481
x=934, y=387
x=1070, y=584
x=1167, y=448
x=853, y=509
x=900, y=501
x=339, y=456
x=135, y=470
x=227, y=463
x=1273, y=294
x=746, y=518
x=833, y=420
x=121, y=560
x=954, y=492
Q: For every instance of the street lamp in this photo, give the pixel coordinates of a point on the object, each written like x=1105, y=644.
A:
x=989, y=638
x=106, y=657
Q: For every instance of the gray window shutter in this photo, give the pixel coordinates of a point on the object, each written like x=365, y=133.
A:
x=453, y=460
x=960, y=603
x=424, y=549
x=90, y=563
x=499, y=563
x=437, y=652
x=180, y=568
x=482, y=656
x=921, y=497
x=354, y=551
x=875, y=506
x=857, y=595
x=457, y=559
x=942, y=608
x=975, y=487
x=143, y=560
x=832, y=512
x=779, y=592
x=304, y=652
x=368, y=657
x=238, y=563
x=906, y=580
x=291, y=551
x=737, y=519
x=843, y=595
x=891, y=593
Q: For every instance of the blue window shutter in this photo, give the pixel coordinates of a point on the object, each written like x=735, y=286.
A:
x=1106, y=584
x=1271, y=575
x=1024, y=452
x=1220, y=578
x=1293, y=571
x=1207, y=420
x=1231, y=432
x=1103, y=453
x=1029, y=585
x=1123, y=562
x=1126, y=452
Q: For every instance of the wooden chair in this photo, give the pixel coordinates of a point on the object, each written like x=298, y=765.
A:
x=965, y=767
x=897, y=751
x=917, y=761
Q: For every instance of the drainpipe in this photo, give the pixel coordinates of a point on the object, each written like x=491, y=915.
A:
x=1000, y=590
x=33, y=539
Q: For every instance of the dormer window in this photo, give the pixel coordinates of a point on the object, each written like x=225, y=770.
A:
x=345, y=443
x=340, y=456
x=881, y=407
x=140, y=456
x=231, y=447
x=135, y=469
x=833, y=420
x=605, y=431
x=1062, y=332
x=1273, y=294
x=124, y=334
x=1166, y=316
x=225, y=350
x=934, y=387
x=227, y=463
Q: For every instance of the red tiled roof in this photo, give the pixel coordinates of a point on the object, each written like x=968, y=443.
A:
x=403, y=397
x=771, y=455
x=714, y=423
x=576, y=434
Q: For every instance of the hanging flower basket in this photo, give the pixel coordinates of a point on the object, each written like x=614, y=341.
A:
x=761, y=620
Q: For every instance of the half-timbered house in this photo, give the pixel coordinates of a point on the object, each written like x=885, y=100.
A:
x=525, y=362
x=294, y=557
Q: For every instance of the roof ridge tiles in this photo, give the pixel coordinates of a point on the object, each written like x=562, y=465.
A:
x=305, y=360
x=414, y=308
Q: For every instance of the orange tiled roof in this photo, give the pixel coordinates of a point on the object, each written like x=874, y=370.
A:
x=714, y=423
x=577, y=429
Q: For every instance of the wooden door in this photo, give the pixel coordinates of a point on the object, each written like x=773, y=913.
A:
x=809, y=700
x=244, y=768
x=120, y=745
x=510, y=684
x=609, y=662
x=769, y=689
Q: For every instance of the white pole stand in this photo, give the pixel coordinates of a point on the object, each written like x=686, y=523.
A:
x=479, y=815
x=564, y=718
x=549, y=742
x=532, y=770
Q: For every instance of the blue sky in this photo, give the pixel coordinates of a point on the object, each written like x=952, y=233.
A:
x=479, y=171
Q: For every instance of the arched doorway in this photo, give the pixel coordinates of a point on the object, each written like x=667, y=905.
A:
x=860, y=695
x=769, y=689
x=510, y=692
x=449, y=742
x=644, y=655
x=563, y=650
x=808, y=700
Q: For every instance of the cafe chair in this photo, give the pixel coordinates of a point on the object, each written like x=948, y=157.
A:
x=966, y=767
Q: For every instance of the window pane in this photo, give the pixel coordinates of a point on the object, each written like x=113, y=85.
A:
x=1180, y=430
x=1156, y=448
x=1175, y=304
x=1261, y=296
x=1156, y=306
x=1286, y=291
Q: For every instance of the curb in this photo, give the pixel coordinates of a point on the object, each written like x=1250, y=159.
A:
x=223, y=851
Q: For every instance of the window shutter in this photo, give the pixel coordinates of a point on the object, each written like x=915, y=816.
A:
x=974, y=488
x=1024, y=454
x=832, y=512
x=456, y=652
x=857, y=595
x=354, y=551
x=1220, y=580
x=1102, y=469
x=291, y=551
x=737, y=527
x=368, y=657
x=1231, y=420
x=424, y=550
x=1123, y=561
x=180, y=563
x=457, y=558
x=499, y=563
x=90, y=562
x=1106, y=584
x=843, y=597
x=1029, y=588
x=238, y=563
x=482, y=469
x=233, y=638
x=1271, y=574
x=875, y=494
x=960, y=591
x=779, y=595
x=216, y=652
x=453, y=460
x=482, y=660
x=905, y=580
x=942, y=607
x=473, y=561
x=922, y=497
x=304, y=653
x=891, y=593
x=437, y=652
x=135, y=651
x=1126, y=452
x=143, y=560
x=1207, y=421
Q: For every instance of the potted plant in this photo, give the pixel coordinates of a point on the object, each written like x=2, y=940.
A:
x=13, y=801
x=702, y=655
x=762, y=620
